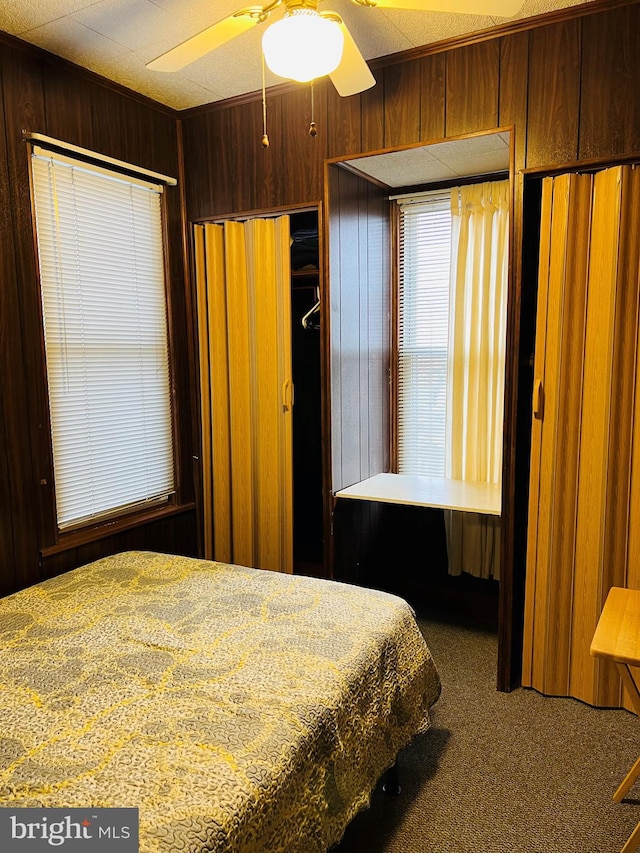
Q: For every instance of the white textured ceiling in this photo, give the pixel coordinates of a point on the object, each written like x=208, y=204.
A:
x=116, y=38
x=441, y=161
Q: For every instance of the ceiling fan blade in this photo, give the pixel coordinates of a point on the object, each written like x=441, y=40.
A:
x=202, y=43
x=497, y=8
x=353, y=74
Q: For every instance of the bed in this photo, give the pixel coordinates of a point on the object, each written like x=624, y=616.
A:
x=240, y=710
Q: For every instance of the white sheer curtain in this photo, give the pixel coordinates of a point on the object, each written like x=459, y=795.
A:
x=477, y=335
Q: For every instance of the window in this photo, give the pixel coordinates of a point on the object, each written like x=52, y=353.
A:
x=452, y=293
x=100, y=248
x=423, y=333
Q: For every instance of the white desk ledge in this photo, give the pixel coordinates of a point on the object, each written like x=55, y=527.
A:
x=437, y=492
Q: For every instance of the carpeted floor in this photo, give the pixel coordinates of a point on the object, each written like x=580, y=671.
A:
x=503, y=773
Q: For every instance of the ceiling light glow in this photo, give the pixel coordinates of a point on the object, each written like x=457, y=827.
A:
x=303, y=45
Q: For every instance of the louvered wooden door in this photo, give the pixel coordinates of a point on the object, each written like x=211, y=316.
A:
x=584, y=496
x=244, y=330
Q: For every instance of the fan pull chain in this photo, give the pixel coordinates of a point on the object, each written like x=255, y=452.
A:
x=265, y=135
x=313, y=130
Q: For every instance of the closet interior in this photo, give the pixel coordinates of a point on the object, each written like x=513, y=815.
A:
x=401, y=548
x=307, y=411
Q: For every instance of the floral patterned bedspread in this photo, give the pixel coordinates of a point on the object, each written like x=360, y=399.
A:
x=239, y=710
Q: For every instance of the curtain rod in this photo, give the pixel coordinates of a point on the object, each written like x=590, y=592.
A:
x=94, y=157
x=422, y=195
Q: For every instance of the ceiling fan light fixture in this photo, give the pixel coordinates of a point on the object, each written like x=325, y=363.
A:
x=303, y=45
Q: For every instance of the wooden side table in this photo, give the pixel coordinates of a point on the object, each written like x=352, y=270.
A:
x=617, y=638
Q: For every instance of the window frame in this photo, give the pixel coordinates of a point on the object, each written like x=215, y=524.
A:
x=395, y=223
x=53, y=540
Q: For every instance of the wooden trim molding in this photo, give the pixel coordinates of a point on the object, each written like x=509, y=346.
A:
x=592, y=164
x=94, y=158
x=102, y=531
x=266, y=212
x=394, y=319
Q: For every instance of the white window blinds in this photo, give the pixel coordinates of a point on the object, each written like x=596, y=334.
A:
x=423, y=299
x=105, y=320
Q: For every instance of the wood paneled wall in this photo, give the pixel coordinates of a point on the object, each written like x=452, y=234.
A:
x=42, y=94
x=568, y=88
x=359, y=324
x=358, y=311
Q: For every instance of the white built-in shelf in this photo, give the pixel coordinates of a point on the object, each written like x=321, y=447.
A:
x=435, y=492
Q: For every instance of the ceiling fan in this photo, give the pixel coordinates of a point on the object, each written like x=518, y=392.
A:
x=303, y=44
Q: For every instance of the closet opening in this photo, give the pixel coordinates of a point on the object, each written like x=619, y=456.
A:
x=308, y=551
x=380, y=540
x=259, y=285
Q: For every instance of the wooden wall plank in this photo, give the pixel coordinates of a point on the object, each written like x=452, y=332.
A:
x=150, y=138
x=175, y=537
x=333, y=464
x=372, y=111
x=472, y=83
x=554, y=94
x=211, y=180
x=25, y=396
x=432, y=97
x=139, y=141
x=66, y=102
x=302, y=154
x=7, y=572
x=108, y=123
x=345, y=324
x=269, y=166
x=8, y=317
x=609, y=122
x=512, y=106
x=344, y=130
x=360, y=333
x=151, y=141
x=181, y=325
x=246, y=144
x=402, y=103
x=364, y=269
x=259, y=178
x=377, y=285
